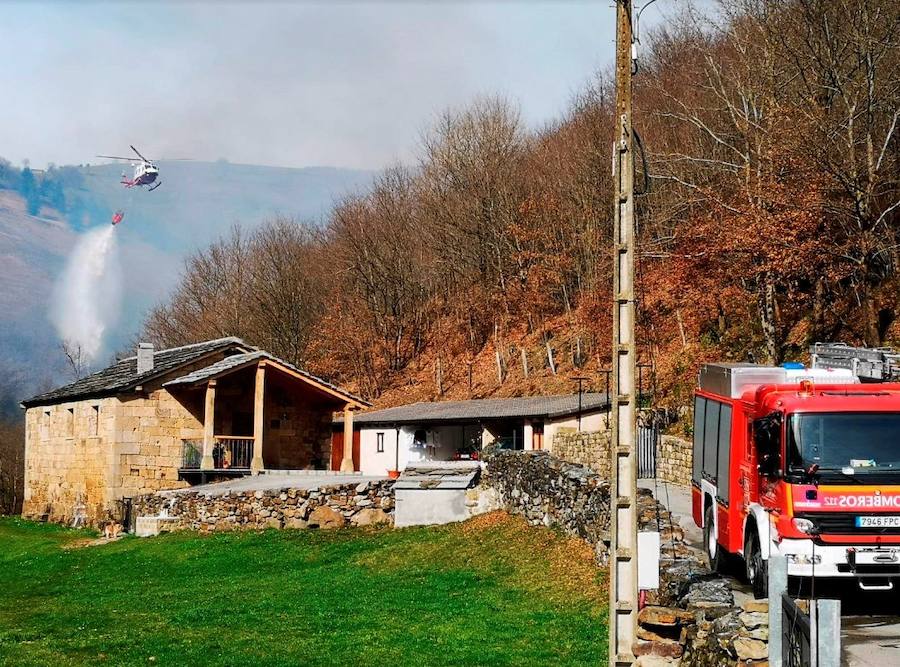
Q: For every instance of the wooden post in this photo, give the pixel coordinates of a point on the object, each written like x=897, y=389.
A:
x=256, y=465
x=347, y=460
x=209, y=419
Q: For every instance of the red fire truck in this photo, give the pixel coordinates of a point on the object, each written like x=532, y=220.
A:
x=799, y=462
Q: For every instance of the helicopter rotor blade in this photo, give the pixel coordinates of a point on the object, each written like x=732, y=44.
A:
x=117, y=157
x=139, y=154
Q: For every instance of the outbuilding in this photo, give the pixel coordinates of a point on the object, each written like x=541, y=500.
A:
x=391, y=439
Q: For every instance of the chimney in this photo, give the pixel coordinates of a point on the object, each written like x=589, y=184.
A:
x=144, y=358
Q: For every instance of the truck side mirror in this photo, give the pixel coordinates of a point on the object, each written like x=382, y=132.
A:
x=767, y=439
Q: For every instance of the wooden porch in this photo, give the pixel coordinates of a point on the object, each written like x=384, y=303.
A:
x=262, y=411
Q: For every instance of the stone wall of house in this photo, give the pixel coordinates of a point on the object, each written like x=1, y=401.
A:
x=67, y=460
x=590, y=449
x=363, y=503
x=297, y=436
x=692, y=618
x=674, y=457
x=147, y=449
x=84, y=456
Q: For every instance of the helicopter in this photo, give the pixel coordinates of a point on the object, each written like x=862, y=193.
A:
x=145, y=172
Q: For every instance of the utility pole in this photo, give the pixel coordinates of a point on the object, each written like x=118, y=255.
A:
x=623, y=584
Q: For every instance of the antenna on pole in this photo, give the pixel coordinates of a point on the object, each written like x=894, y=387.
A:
x=623, y=571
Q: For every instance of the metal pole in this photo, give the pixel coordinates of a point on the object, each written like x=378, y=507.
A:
x=623, y=589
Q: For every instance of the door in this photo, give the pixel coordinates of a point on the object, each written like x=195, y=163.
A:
x=337, y=449
x=537, y=435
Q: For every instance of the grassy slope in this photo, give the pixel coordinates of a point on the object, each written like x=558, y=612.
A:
x=488, y=592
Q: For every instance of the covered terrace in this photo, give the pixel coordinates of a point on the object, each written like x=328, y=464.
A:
x=260, y=413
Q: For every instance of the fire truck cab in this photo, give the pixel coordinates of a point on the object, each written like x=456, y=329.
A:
x=799, y=462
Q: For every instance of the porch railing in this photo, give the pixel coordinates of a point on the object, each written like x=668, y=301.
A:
x=228, y=452
x=232, y=452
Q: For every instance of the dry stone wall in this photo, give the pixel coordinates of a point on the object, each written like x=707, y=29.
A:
x=692, y=619
x=362, y=504
x=547, y=490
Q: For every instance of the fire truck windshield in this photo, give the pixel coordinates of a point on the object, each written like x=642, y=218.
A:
x=844, y=442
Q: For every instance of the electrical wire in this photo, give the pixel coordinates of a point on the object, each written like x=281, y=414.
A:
x=641, y=319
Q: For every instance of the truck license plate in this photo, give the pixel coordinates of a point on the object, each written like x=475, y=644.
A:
x=878, y=521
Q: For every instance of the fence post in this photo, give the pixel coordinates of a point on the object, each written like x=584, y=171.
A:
x=827, y=632
x=777, y=585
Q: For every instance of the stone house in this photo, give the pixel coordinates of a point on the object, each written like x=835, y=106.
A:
x=166, y=419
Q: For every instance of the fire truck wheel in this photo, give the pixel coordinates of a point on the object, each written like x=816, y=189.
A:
x=757, y=569
x=714, y=552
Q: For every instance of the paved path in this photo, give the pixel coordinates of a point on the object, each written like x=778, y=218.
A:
x=265, y=482
x=870, y=626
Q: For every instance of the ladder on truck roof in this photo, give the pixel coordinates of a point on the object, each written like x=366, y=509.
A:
x=869, y=364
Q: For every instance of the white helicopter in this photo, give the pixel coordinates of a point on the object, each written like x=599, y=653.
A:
x=145, y=171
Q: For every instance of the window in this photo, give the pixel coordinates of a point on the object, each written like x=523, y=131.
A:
x=711, y=439
x=724, y=453
x=379, y=440
x=70, y=423
x=94, y=420
x=699, y=419
x=834, y=442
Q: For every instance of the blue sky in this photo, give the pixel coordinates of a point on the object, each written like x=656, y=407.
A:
x=290, y=84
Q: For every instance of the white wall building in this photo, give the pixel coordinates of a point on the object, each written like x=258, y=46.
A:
x=393, y=438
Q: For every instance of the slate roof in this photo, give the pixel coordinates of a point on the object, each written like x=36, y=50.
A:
x=123, y=376
x=439, y=475
x=237, y=360
x=485, y=409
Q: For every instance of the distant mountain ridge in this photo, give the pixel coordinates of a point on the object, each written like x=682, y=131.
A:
x=197, y=203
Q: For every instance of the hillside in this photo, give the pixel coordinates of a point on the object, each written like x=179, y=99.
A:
x=768, y=215
x=197, y=203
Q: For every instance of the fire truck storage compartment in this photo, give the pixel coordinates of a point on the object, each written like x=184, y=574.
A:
x=712, y=430
x=731, y=380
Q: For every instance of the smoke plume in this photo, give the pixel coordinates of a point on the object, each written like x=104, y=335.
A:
x=87, y=295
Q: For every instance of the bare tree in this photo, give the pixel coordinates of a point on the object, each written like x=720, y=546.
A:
x=76, y=360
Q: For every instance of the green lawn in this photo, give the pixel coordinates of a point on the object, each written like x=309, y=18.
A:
x=491, y=591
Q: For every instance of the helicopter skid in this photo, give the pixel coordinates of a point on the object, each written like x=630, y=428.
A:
x=153, y=187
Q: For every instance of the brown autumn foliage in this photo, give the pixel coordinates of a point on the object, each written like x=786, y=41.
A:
x=768, y=221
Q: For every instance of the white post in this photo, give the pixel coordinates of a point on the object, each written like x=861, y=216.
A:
x=777, y=585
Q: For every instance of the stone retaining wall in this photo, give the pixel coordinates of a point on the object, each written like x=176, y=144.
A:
x=360, y=504
x=546, y=490
x=590, y=449
x=692, y=618
x=674, y=457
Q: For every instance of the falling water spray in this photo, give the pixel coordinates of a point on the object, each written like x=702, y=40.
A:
x=87, y=295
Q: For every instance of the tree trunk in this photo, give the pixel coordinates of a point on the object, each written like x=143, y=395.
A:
x=767, y=318
x=818, y=314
